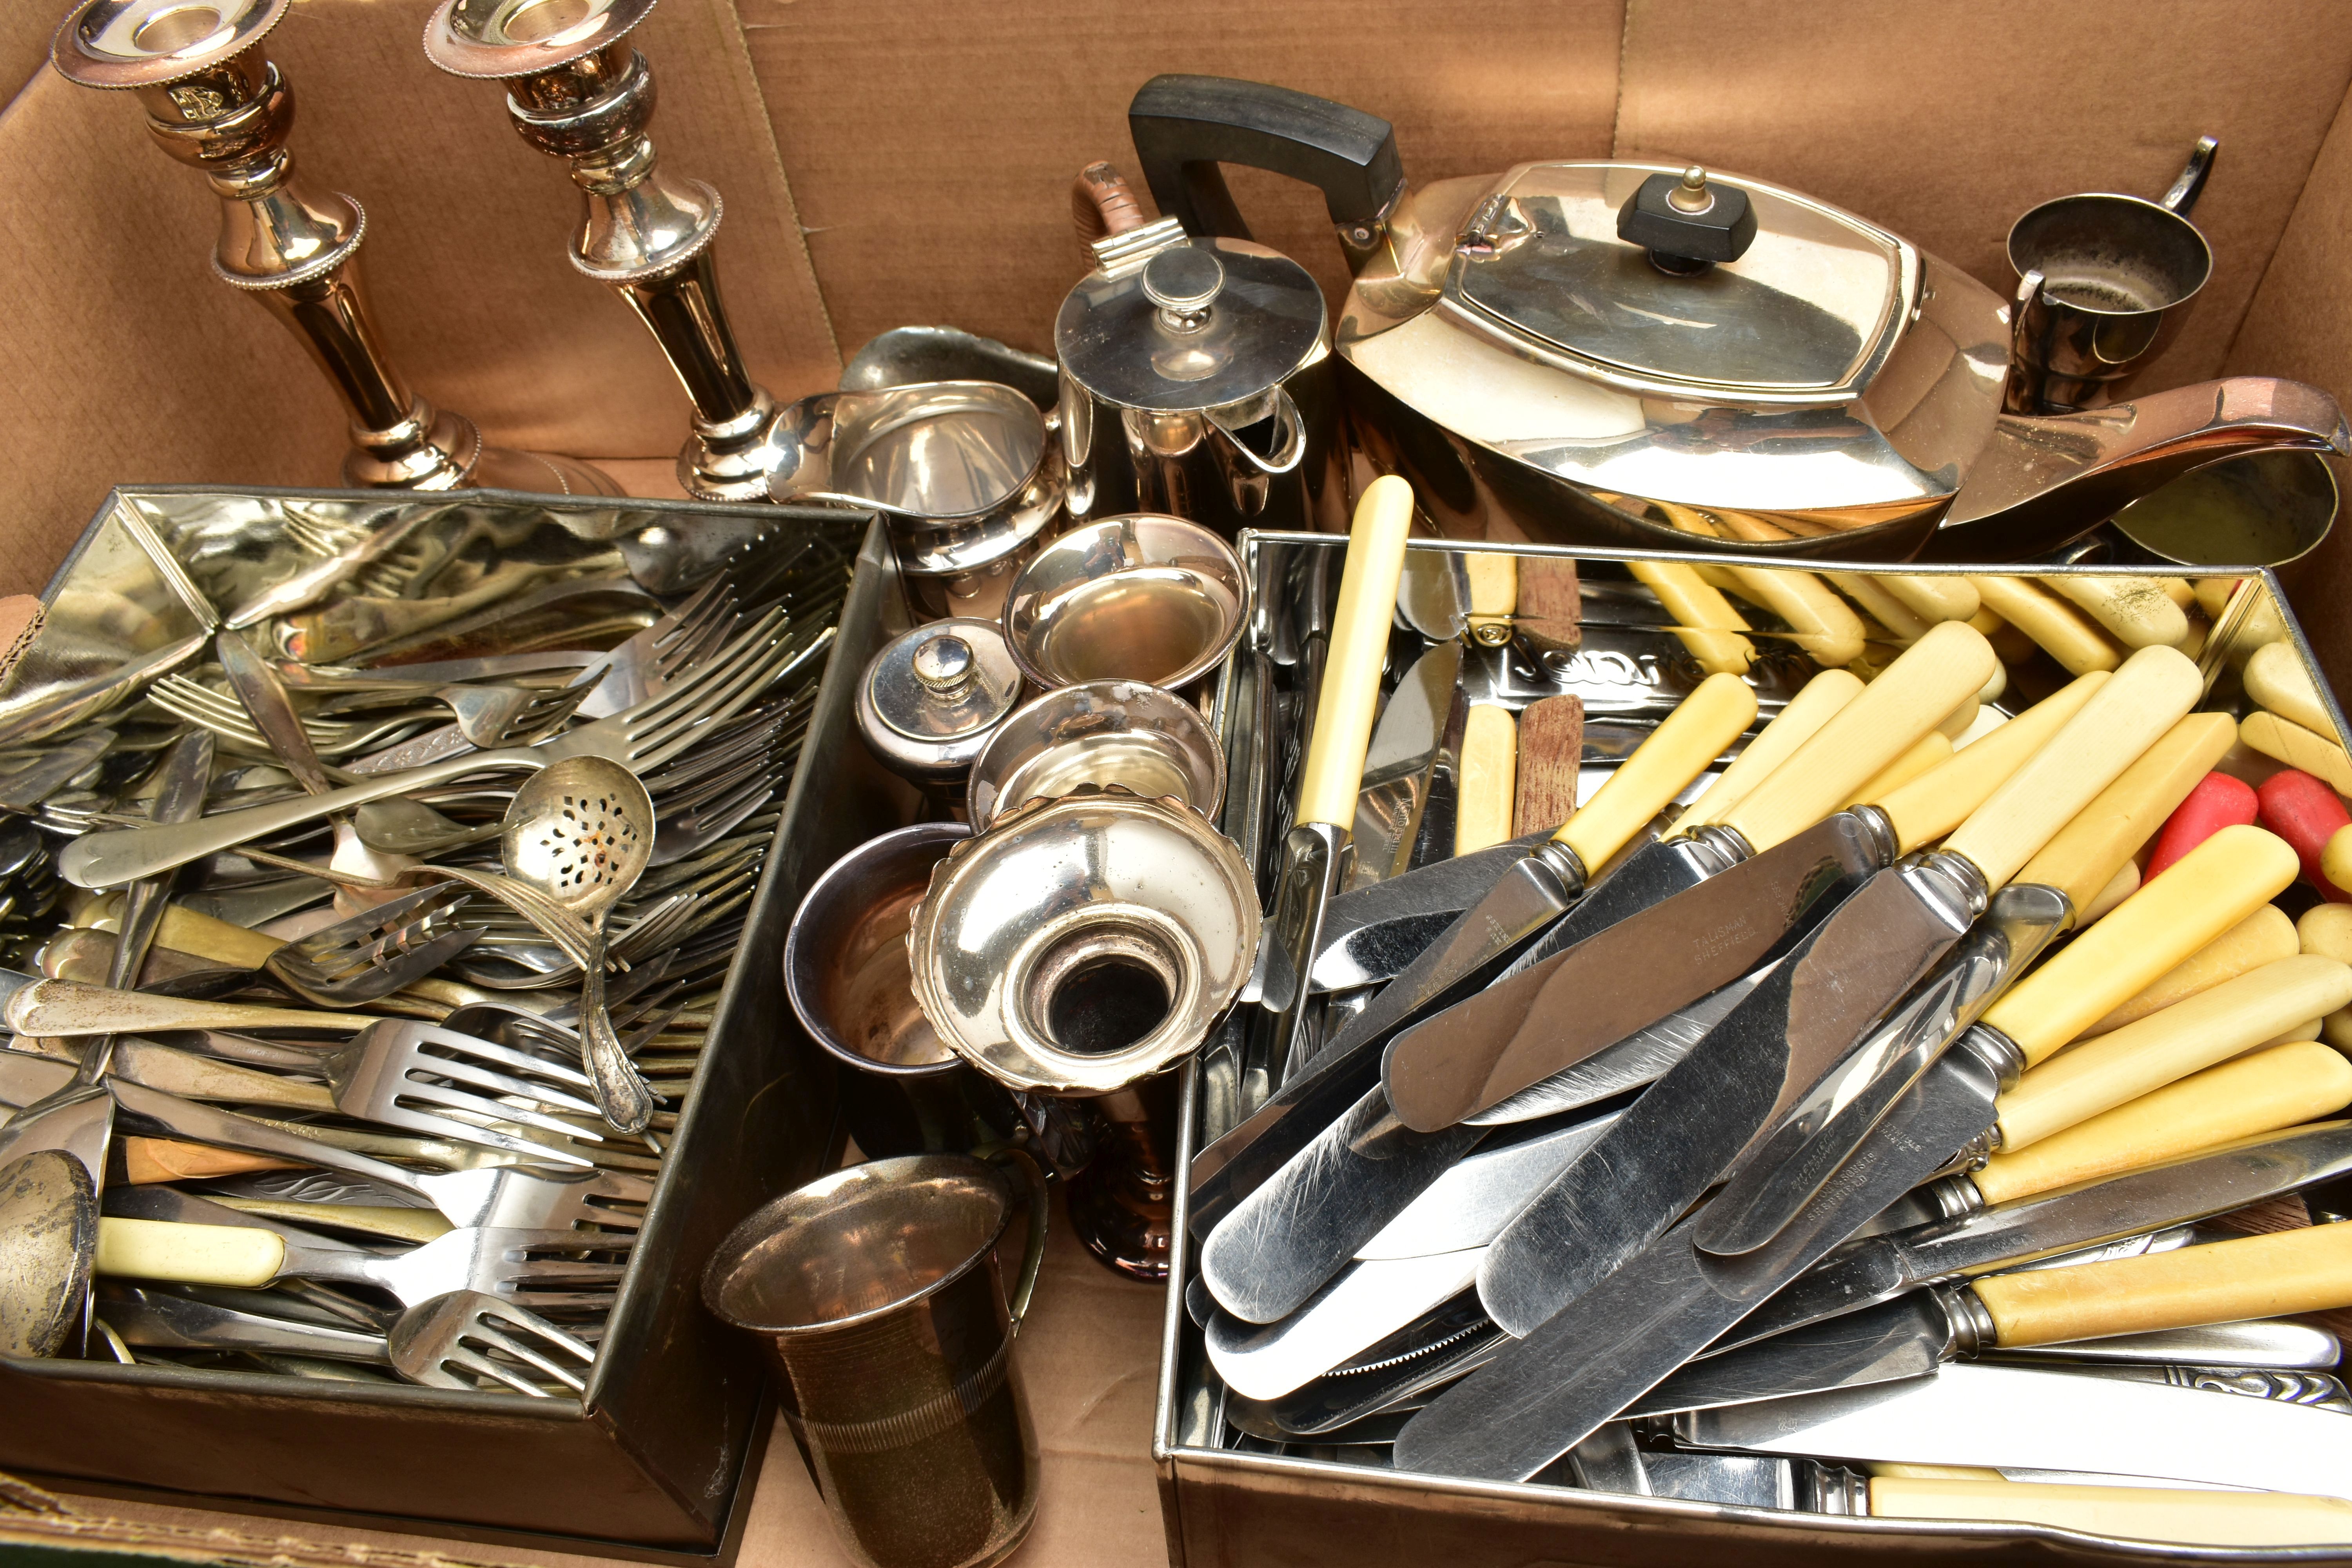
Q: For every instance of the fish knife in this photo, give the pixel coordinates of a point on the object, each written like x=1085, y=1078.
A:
x=1823, y=1001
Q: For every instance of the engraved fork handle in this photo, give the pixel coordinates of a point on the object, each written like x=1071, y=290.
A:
x=123, y=855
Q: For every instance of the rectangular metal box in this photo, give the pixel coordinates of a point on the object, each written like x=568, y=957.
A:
x=1226, y=1509
x=656, y=1461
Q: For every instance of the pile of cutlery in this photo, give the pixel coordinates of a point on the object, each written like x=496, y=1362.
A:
x=290, y=1006
x=1821, y=1090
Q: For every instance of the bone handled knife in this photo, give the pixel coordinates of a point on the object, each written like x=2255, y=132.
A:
x=2270, y=1276
x=1787, y=1163
x=2180, y=1187
x=1822, y=1002
x=1724, y=897
x=1312, y=852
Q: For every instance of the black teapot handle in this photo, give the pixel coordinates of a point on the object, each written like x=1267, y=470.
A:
x=1184, y=126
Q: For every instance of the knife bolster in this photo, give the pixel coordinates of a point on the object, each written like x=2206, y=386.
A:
x=1879, y=828
x=2004, y=1056
x=1953, y=1195
x=1728, y=845
x=1967, y=883
x=1564, y=863
x=1971, y=1326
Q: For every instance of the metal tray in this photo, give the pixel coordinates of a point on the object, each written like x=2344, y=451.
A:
x=1223, y=1508
x=654, y=1462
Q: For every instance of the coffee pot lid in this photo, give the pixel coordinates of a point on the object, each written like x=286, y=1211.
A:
x=932, y=697
x=1678, y=282
x=1175, y=324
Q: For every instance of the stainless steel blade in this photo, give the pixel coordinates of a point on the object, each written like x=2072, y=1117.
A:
x=1470, y=1203
x=1396, y=1374
x=1704, y=923
x=1362, y=1305
x=1864, y=1273
x=1415, y=752
x=1543, y=1395
x=1372, y=935
x=2028, y=1418
x=1787, y=1163
x=1906, y=1337
x=1310, y=873
x=1629, y=1064
x=1818, y=1004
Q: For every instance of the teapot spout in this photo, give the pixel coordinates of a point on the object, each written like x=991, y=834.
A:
x=2042, y=482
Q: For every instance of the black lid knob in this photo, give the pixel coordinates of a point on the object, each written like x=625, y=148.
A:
x=1686, y=224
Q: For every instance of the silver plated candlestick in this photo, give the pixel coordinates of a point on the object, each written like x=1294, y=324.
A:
x=576, y=89
x=217, y=103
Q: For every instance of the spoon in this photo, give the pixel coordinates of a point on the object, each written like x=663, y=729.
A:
x=49, y=1238
x=582, y=831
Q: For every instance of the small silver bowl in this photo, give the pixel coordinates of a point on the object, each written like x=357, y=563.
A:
x=1085, y=943
x=1142, y=598
x=1098, y=732
x=845, y=955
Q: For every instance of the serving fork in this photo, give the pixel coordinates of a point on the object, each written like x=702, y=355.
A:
x=643, y=737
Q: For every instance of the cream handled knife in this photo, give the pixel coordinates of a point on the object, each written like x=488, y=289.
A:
x=1312, y=852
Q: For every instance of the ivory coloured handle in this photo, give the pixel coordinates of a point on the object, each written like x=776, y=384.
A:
x=1490, y=775
x=418, y=1225
x=1929, y=752
x=2146, y=696
x=2297, y=747
x=2264, y=937
x=2208, y=890
x=1885, y=609
x=2276, y=679
x=1705, y=621
x=2211, y=1026
x=1494, y=593
x=1356, y=654
x=2082, y=856
x=2305, y=1270
x=1936, y=802
x=2193, y=1518
x=2270, y=1088
x=1929, y=679
x=1823, y=627
x=1933, y=598
x=2063, y=632
x=184, y=930
x=1799, y=721
x=189, y=1254
x=1646, y=783
x=2136, y=611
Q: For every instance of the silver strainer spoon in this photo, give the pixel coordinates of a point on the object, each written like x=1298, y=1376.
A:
x=582, y=830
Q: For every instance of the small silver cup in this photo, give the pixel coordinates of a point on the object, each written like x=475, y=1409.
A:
x=879, y=1294
x=2104, y=282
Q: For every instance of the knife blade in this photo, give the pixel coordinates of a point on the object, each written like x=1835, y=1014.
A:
x=1413, y=759
x=2028, y=1418
x=1539, y=1396
x=1434, y=1350
x=1881, y=1267
x=1350, y=691
x=1474, y=1200
x=1530, y=892
x=1370, y=934
x=1733, y=908
x=1631, y=1063
x=1818, y=1008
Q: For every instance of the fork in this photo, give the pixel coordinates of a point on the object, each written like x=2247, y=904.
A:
x=440, y=1341
x=491, y=1258
x=198, y=704
x=521, y=1201
x=642, y=737
x=377, y=952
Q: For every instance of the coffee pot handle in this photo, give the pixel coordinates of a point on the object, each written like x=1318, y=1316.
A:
x=1184, y=126
x=2185, y=190
x=1033, y=1177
